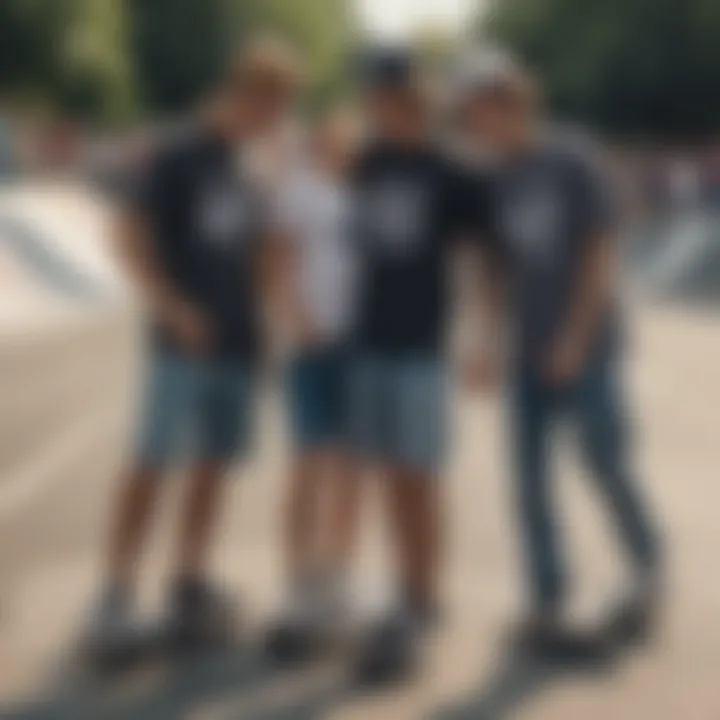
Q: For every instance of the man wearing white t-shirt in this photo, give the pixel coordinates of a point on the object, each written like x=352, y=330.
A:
x=314, y=280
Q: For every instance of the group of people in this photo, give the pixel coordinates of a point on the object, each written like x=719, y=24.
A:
x=349, y=248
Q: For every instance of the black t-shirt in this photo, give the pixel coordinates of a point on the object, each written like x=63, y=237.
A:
x=206, y=218
x=409, y=204
x=545, y=209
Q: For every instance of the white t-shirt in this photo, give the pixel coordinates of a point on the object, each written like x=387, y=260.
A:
x=313, y=210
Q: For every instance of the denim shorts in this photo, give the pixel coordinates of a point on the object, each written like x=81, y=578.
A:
x=398, y=410
x=194, y=409
x=317, y=385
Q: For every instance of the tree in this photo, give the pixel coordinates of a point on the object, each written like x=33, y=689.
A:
x=629, y=66
x=97, y=79
x=30, y=45
x=67, y=56
x=180, y=46
x=107, y=60
x=177, y=48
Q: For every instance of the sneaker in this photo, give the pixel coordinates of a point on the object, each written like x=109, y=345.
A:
x=390, y=654
x=549, y=639
x=113, y=638
x=200, y=616
x=316, y=613
x=633, y=619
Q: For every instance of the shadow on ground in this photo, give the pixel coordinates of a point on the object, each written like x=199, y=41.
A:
x=223, y=685
x=515, y=682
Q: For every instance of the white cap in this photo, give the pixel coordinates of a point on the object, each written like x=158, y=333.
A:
x=487, y=69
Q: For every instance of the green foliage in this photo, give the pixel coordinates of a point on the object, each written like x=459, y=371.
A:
x=181, y=46
x=629, y=66
x=111, y=60
x=30, y=45
x=177, y=47
x=66, y=55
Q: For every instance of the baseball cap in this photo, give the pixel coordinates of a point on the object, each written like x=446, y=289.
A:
x=388, y=68
x=489, y=70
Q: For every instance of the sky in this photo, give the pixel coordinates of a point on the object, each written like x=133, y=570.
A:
x=398, y=18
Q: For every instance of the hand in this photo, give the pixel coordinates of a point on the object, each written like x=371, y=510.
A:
x=481, y=372
x=189, y=328
x=566, y=363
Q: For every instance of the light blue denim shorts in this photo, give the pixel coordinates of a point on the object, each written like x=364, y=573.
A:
x=398, y=411
x=194, y=410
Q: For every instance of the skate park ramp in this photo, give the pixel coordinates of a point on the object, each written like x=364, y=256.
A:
x=63, y=310
x=55, y=253
x=679, y=258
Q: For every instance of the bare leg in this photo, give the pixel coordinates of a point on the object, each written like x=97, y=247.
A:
x=302, y=516
x=137, y=500
x=344, y=512
x=199, y=517
x=417, y=521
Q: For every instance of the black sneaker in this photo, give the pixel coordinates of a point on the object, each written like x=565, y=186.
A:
x=291, y=643
x=113, y=639
x=316, y=616
x=390, y=654
x=201, y=617
x=633, y=620
x=551, y=640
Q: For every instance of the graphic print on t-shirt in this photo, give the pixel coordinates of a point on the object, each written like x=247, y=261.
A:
x=532, y=222
x=395, y=212
x=222, y=216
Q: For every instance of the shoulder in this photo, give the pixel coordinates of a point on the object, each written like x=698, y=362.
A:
x=576, y=151
x=465, y=175
x=174, y=149
x=366, y=156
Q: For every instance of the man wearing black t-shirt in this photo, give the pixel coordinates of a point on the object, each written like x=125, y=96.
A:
x=408, y=210
x=551, y=227
x=189, y=235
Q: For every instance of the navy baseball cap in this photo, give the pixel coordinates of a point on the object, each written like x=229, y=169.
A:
x=388, y=69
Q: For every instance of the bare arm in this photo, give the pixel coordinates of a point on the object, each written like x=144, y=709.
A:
x=134, y=249
x=281, y=285
x=276, y=272
x=592, y=296
x=595, y=280
x=594, y=292
x=136, y=253
x=485, y=312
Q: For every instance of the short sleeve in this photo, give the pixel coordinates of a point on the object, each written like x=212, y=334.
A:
x=460, y=204
x=597, y=206
x=150, y=189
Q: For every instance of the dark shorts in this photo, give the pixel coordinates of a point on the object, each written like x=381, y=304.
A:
x=317, y=384
x=195, y=410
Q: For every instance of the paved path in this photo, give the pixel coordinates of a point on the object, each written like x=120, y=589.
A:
x=66, y=403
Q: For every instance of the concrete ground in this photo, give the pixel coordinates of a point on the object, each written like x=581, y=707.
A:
x=64, y=418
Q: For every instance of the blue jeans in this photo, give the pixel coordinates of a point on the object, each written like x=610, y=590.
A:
x=595, y=406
